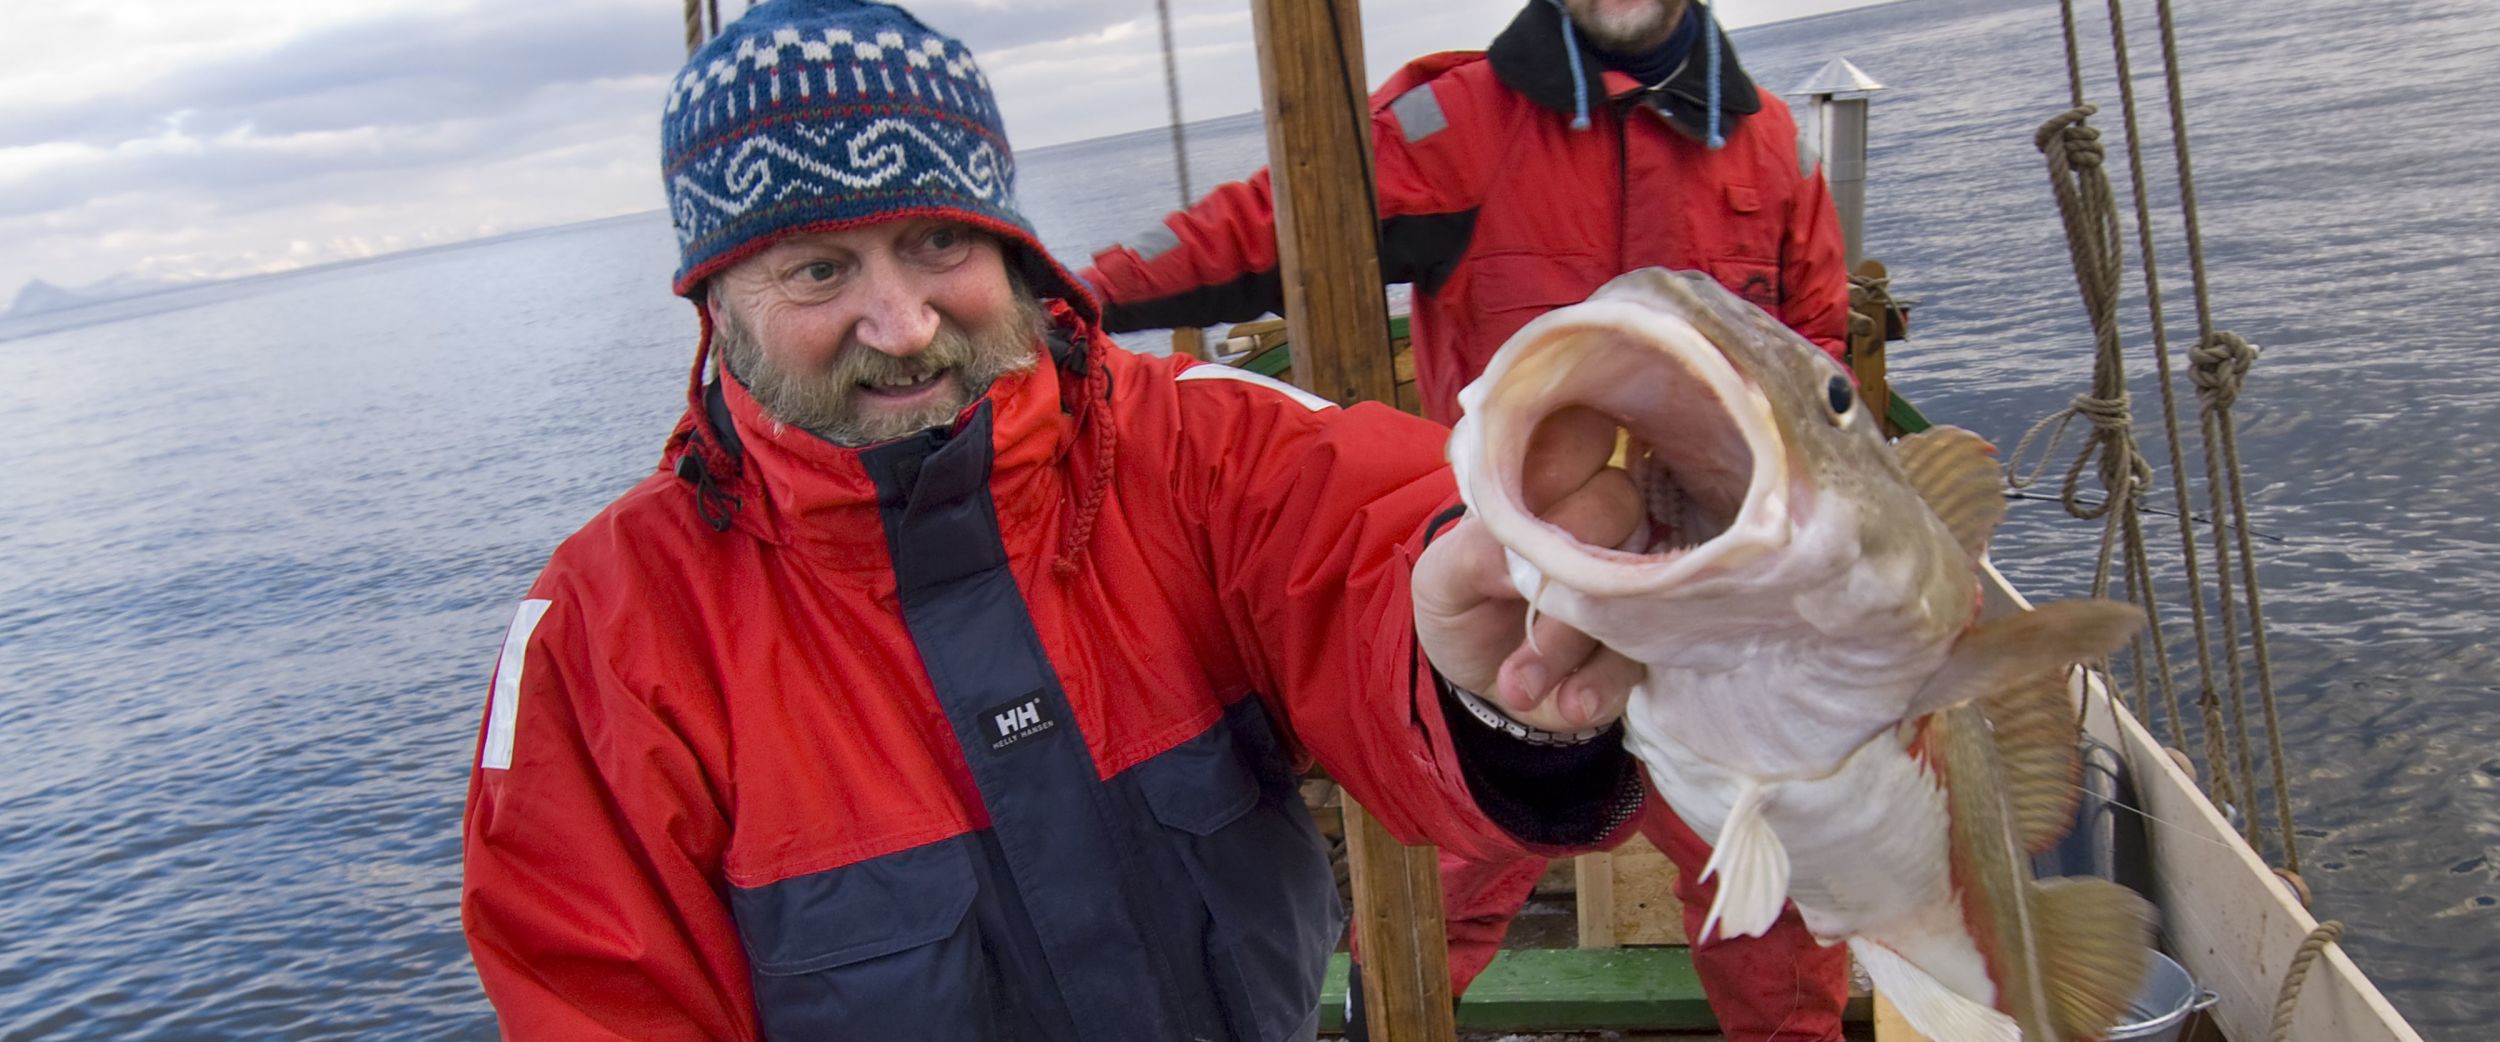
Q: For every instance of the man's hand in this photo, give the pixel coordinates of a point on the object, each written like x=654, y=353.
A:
x=1472, y=622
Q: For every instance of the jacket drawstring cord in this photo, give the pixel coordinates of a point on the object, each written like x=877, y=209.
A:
x=713, y=504
x=1710, y=30
x=1579, y=76
x=1097, y=394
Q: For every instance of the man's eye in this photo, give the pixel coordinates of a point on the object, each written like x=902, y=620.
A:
x=945, y=238
x=821, y=271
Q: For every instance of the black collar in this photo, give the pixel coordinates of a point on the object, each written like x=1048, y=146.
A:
x=1528, y=57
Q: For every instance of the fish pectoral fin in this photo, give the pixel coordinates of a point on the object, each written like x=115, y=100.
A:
x=2038, y=741
x=1955, y=471
x=2093, y=935
x=2000, y=653
x=1938, y=1012
x=1752, y=869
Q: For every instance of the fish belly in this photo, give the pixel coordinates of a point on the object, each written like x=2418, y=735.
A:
x=1867, y=849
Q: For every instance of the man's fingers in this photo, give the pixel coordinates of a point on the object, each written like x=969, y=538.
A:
x=1531, y=672
x=1468, y=568
x=1591, y=696
x=1566, y=449
x=1602, y=511
x=1596, y=693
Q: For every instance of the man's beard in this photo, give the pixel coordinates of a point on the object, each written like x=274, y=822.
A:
x=827, y=403
x=1625, y=33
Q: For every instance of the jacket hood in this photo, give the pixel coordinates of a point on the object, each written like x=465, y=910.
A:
x=787, y=486
x=1529, y=57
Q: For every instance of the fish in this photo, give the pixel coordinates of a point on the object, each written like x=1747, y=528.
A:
x=1820, y=698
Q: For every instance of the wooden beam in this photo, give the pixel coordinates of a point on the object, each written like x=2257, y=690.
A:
x=1593, y=897
x=1867, y=329
x=1190, y=342
x=1397, y=921
x=1319, y=158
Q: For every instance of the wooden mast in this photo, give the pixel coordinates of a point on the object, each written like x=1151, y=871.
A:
x=1319, y=156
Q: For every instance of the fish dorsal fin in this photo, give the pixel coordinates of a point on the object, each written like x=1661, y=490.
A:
x=2093, y=936
x=1955, y=471
x=1999, y=653
x=2038, y=741
x=1935, y=1010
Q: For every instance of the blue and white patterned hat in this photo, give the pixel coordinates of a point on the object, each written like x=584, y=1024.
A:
x=818, y=115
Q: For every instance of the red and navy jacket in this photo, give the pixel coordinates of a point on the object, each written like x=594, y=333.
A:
x=1497, y=210
x=992, y=732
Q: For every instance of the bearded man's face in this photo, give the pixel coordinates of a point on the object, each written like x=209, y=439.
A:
x=869, y=334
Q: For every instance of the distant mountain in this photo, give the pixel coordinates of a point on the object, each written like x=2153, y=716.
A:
x=38, y=296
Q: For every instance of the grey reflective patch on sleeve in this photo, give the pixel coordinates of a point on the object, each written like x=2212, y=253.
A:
x=1154, y=241
x=1419, y=113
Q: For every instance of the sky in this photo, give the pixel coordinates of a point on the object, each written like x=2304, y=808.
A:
x=179, y=140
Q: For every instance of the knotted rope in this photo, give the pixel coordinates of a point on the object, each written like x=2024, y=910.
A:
x=2085, y=202
x=1866, y=291
x=2218, y=365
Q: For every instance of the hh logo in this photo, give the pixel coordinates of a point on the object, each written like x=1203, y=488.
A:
x=1017, y=721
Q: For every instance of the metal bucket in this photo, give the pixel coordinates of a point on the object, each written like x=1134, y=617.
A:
x=2160, y=1009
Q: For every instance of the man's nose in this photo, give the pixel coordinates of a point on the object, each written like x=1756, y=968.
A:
x=895, y=315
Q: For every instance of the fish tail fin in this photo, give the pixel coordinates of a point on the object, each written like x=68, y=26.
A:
x=2093, y=936
x=1938, y=1012
x=1752, y=869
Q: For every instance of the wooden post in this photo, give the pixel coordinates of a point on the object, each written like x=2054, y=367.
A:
x=1319, y=157
x=1405, y=945
x=1867, y=329
x=1593, y=897
x=1190, y=342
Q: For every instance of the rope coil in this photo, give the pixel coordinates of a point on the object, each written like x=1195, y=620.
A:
x=2297, y=974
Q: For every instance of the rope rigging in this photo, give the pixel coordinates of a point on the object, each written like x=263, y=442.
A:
x=2218, y=364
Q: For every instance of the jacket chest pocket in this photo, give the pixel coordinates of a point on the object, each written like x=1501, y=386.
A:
x=1234, y=817
x=1745, y=259
x=884, y=946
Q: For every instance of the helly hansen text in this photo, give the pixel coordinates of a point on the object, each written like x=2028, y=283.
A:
x=1016, y=721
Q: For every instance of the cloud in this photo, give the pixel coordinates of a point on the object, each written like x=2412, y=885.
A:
x=399, y=69
x=171, y=136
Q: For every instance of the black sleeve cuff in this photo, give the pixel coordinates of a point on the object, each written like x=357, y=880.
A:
x=1544, y=795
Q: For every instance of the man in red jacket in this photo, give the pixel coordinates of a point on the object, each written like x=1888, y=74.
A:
x=1592, y=138
x=951, y=678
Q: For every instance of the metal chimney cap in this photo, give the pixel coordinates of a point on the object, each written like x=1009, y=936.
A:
x=1838, y=76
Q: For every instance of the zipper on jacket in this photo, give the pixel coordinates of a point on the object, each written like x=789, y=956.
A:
x=1623, y=189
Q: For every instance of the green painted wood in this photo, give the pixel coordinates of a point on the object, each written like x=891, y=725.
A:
x=1279, y=358
x=1270, y=362
x=1566, y=989
x=1905, y=417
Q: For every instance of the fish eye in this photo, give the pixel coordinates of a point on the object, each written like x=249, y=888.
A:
x=1842, y=397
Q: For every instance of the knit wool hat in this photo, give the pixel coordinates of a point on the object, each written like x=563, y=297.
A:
x=820, y=115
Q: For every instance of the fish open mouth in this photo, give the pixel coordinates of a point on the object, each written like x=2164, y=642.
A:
x=1694, y=433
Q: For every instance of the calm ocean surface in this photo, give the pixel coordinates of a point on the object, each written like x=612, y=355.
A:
x=259, y=541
